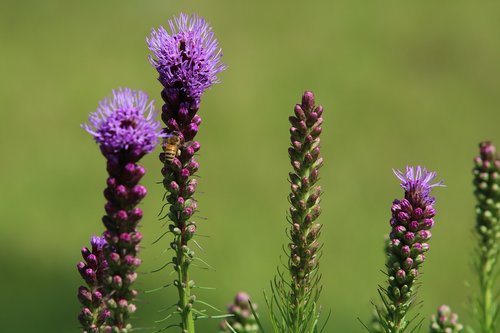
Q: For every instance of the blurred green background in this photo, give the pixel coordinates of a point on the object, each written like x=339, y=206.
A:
x=401, y=83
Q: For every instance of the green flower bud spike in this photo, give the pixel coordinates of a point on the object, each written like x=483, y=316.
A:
x=487, y=191
x=296, y=298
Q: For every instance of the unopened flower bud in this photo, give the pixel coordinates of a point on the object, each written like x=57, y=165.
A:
x=121, y=192
x=117, y=281
x=139, y=192
x=122, y=303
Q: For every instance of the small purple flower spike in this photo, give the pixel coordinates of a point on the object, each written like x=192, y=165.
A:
x=412, y=217
x=125, y=129
x=124, y=123
x=189, y=57
x=93, y=296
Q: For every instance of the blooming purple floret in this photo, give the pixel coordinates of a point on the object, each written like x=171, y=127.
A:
x=418, y=183
x=189, y=57
x=124, y=122
x=98, y=242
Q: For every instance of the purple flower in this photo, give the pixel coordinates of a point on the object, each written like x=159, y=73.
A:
x=125, y=129
x=418, y=184
x=188, y=60
x=97, y=242
x=189, y=57
x=124, y=122
x=404, y=253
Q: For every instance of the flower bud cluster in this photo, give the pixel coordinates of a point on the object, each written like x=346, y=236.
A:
x=305, y=195
x=445, y=321
x=243, y=320
x=93, y=268
x=411, y=221
x=123, y=194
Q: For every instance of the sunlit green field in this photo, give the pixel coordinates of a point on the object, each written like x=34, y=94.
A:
x=401, y=83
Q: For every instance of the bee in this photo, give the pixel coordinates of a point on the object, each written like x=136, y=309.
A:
x=170, y=146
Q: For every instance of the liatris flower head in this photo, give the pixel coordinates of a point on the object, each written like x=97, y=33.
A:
x=187, y=58
x=412, y=218
x=243, y=320
x=125, y=129
x=124, y=124
x=445, y=321
x=417, y=183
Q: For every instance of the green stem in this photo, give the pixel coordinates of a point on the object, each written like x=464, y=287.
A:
x=487, y=296
x=184, y=289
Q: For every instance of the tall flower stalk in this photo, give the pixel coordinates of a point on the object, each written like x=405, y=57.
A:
x=412, y=218
x=125, y=129
x=188, y=61
x=93, y=297
x=487, y=192
x=296, y=299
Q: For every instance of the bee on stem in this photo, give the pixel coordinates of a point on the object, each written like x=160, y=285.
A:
x=171, y=145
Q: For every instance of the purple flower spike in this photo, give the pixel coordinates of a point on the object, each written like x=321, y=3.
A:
x=187, y=58
x=125, y=129
x=124, y=123
x=411, y=219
